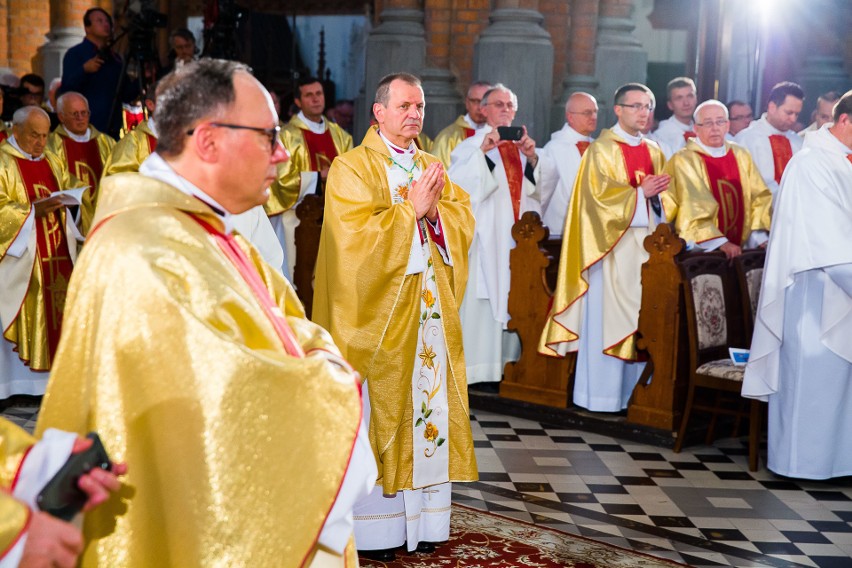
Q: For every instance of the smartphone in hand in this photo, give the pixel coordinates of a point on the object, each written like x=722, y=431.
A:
x=61, y=497
x=510, y=132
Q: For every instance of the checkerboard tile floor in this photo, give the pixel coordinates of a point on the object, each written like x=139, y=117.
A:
x=701, y=507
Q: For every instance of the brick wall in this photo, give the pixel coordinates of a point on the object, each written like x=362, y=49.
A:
x=557, y=22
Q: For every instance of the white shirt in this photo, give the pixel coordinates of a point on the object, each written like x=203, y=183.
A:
x=756, y=139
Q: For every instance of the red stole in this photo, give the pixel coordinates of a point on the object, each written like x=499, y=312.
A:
x=152, y=142
x=468, y=132
x=782, y=151
x=637, y=161
x=582, y=146
x=320, y=148
x=52, y=255
x=849, y=157
x=249, y=273
x=3, y=135
x=84, y=161
x=514, y=173
x=726, y=186
x=131, y=119
x=687, y=135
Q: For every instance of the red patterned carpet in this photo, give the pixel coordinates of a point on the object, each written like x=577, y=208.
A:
x=482, y=539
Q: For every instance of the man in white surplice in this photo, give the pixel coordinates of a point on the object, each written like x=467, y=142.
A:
x=566, y=149
x=801, y=354
x=505, y=179
x=673, y=132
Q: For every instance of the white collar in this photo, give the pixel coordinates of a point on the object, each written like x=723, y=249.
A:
x=315, y=127
x=471, y=123
x=397, y=152
x=29, y=157
x=717, y=152
x=156, y=167
x=629, y=138
x=85, y=137
x=152, y=126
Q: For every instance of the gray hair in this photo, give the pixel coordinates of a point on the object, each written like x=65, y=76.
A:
x=197, y=91
x=22, y=115
x=383, y=90
x=709, y=103
x=499, y=87
x=476, y=84
x=65, y=97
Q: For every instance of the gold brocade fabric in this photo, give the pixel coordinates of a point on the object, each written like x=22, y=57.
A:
x=424, y=143
x=602, y=206
x=129, y=152
x=284, y=193
x=14, y=444
x=236, y=451
x=363, y=297
x=448, y=138
x=56, y=147
x=689, y=200
x=29, y=330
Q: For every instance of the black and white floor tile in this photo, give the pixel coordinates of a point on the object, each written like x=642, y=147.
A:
x=701, y=507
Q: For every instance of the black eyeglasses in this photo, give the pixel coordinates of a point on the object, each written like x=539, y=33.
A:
x=272, y=133
x=637, y=107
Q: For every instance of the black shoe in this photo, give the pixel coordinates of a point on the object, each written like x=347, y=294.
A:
x=379, y=555
x=425, y=547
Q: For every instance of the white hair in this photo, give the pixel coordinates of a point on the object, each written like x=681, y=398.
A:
x=22, y=115
x=66, y=97
x=708, y=103
x=499, y=87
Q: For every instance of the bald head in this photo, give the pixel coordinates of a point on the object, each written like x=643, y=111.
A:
x=31, y=125
x=581, y=113
x=73, y=111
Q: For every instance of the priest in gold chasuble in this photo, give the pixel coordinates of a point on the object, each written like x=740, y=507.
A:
x=238, y=418
x=391, y=272
x=313, y=142
x=81, y=149
x=38, y=245
x=717, y=198
x=615, y=205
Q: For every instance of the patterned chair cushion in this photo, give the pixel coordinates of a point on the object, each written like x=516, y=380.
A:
x=710, y=316
x=723, y=368
x=754, y=278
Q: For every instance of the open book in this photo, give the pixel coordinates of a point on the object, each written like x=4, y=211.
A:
x=70, y=197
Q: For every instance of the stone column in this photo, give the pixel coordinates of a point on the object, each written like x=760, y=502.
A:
x=581, y=58
x=823, y=65
x=66, y=30
x=516, y=50
x=619, y=57
x=398, y=43
x=443, y=103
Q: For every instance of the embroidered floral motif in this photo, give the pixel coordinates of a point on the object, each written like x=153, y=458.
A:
x=402, y=191
x=430, y=373
x=709, y=311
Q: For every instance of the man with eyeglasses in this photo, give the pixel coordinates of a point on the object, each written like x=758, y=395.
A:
x=615, y=205
x=465, y=125
x=38, y=245
x=128, y=154
x=800, y=361
x=81, y=149
x=505, y=179
x=566, y=149
x=771, y=139
x=740, y=116
x=238, y=418
x=717, y=198
x=313, y=142
x=673, y=132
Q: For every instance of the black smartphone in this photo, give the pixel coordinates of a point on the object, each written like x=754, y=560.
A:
x=61, y=497
x=510, y=132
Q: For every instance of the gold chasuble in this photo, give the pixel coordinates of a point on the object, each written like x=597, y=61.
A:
x=36, y=328
x=129, y=152
x=14, y=515
x=450, y=137
x=597, y=229
x=712, y=197
x=85, y=161
x=236, y=450
x=308, y=153
x=384, y=318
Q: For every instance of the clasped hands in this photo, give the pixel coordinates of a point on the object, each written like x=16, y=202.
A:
x=425, y=193
x=654, y=184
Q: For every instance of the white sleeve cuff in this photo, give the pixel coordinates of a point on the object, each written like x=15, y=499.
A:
x=41, y=464
x=21, y=243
